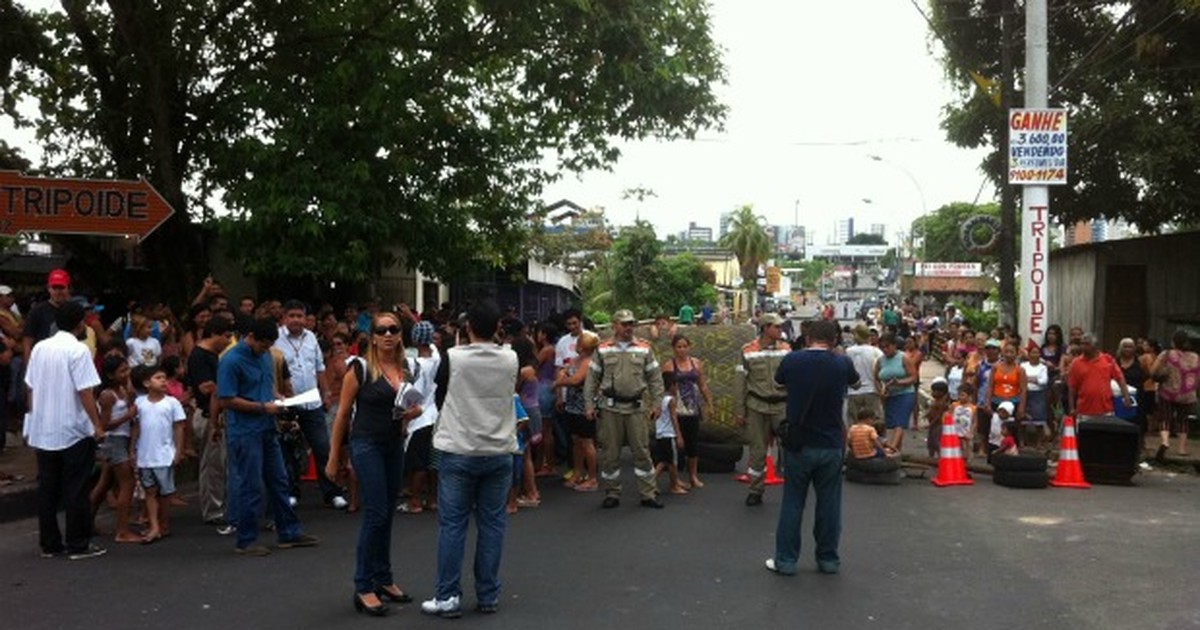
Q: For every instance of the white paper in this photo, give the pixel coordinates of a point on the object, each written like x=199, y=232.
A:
x=409, y=396
x=307, y=398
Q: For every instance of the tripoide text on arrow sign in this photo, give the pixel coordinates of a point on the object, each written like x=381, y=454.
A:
x=51, y=201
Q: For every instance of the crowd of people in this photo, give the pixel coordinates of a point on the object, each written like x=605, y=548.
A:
x=467, y=413
x=998, y=386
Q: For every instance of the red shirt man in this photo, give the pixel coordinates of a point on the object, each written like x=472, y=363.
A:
x=1090, y=379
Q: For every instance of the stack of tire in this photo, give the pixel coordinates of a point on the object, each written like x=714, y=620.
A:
x=1025, y=470
x=718, y=449
x=882, y=471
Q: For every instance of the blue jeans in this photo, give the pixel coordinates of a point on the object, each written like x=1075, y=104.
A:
x=255, y=469
x=316, y=433
x=821, y=467
x=379, y=465
x=467, y=482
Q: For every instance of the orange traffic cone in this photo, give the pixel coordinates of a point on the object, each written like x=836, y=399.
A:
x=772, y=479
x=311, y=473
x=952, y=467
x=1070, y=472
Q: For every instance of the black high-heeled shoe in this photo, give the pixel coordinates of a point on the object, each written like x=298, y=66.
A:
x=374, y=611
x=385, y=595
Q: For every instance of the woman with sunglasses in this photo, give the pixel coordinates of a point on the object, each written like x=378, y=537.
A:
x=369, y=391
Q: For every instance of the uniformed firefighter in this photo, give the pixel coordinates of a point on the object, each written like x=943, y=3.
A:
x=759, y=403
x=624, y=389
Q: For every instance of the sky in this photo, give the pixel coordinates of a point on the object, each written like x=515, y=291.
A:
x=814, y=89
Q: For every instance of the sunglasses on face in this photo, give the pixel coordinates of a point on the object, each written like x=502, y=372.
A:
x=387, y=330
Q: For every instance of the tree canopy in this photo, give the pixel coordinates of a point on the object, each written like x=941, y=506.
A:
x=334, y=135
x=1126, y=73
x=940, y=231
x=867, y=238
x=636, y=275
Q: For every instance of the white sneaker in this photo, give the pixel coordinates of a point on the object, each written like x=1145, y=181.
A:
x=445, y=608
x=339, y=503
x=293, y=501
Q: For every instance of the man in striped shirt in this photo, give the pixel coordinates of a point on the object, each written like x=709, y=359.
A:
x=63, y=427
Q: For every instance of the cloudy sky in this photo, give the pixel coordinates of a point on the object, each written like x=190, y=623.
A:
x=815, y=87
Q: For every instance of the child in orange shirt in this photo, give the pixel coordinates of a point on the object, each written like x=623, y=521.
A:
x=863, y=439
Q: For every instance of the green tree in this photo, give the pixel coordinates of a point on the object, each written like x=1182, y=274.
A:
x=865, y=238
x=636, y=275
x=1125, y=71
x=334, y=134
x=940, y=231
x=748, y=240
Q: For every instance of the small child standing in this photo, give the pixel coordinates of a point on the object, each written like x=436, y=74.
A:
x=143, y=348
x=176, y=374
x=668, y=439
x=935, y=414
x=862, y=438
x=158, y=436
x=964, y=413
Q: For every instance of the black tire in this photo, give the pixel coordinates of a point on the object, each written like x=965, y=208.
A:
x=1019, y=463
x=890, y=478
x=715, y=466
x=719, y=452
x=875, y=465
x=1021, y=479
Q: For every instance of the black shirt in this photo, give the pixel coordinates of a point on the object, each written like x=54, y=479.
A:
x=816, y=382
x=202, y=368
x=373, y=406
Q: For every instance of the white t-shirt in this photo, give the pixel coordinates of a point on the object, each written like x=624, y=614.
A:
x=954, y=379
x=564, y=350
x=143, y=352
x=864, y=356
x=663, y=427
x=1037, y=376
x=426, y=374
x=156, y=431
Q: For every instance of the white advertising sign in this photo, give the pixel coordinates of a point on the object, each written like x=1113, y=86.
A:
x=1037, y=146
x=950, y=269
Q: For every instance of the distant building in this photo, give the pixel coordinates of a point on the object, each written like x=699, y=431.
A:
x=843, y=231
x=726, y=218
x=1097, y=231
x=879, y=229
x=697, y=234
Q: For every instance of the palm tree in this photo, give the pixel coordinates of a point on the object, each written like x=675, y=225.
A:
x=748, y=240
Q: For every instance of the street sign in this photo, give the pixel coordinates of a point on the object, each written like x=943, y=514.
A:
x=773, y=280
x=1037, y=146
x=80, y=206
x=950, y=269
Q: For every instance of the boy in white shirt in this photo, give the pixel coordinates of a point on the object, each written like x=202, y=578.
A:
x=667, y=436
x=158, y=439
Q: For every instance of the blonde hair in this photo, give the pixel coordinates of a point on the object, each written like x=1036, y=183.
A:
x=138, y=322
x=374, y=371
x=588, y=341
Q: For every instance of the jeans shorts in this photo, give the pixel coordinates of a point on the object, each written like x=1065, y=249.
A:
x=161, y=477
x=115, y=449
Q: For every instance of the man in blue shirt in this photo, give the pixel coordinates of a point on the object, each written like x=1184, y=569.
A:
x=246, y=388
x=816, y=379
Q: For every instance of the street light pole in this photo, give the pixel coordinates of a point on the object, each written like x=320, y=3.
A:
x=924, y=213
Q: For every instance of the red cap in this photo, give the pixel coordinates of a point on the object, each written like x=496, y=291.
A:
x=59, y=278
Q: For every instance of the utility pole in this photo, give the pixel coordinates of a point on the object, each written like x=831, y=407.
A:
x=1008, y=199
x=1035, y=198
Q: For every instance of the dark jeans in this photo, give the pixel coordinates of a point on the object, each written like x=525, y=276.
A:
x=822, y=468
x=469, y=483
x=256, y=469
x=379, y=465
x=316, y=433
x=63, y=477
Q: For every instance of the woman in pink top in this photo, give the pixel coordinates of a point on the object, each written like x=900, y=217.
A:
x=1178, y=369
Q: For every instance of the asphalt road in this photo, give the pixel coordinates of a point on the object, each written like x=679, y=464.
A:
x=914, y=556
